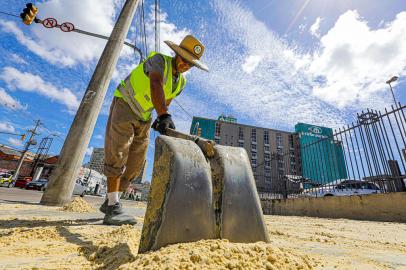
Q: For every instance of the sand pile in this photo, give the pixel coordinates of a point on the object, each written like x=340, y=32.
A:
x=220, y=254
x=118, y=249
x=78, y=205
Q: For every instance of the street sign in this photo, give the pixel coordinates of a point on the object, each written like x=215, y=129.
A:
x=67, y=27
x=49, y=23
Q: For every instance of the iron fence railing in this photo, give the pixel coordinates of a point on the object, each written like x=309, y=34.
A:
x=361, y=158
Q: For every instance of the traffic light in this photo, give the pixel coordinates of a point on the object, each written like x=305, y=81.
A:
x=29, y=14
x=23, y=137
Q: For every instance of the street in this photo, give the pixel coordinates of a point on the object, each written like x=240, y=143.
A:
x=34, y=236
x=15, y=196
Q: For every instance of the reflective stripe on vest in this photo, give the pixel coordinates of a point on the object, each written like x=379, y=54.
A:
x=135, y=89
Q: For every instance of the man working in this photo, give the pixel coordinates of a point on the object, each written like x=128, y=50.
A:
x=151, y=85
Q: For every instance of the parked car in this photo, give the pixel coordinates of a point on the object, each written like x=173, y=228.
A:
x=39, y=184
x=6, y=180
x=21, y=183
x=42, y=184
x=344, y=188
x=79, y=189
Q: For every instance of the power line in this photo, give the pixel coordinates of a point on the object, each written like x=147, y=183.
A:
x=9, y=14
x=177, y=103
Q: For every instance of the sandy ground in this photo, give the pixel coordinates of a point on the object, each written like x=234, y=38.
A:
x=39, y=237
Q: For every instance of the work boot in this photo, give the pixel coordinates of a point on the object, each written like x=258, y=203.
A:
x=103, y=207
x=116, y=216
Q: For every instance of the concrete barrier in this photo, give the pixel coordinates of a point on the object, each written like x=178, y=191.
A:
x=374, y=207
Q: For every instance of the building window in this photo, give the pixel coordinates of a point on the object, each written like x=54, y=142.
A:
x=254, y=155
x=279, y=150
x=217, y=130
x=253, y=135
x=266, y=149
x=267, y=163
x=266, y=137
x=267, y=172
x=279, y=139
x=240, y=133
x=291, y=141
x=240, y=144
x=253, y=147
x=254, y=162
x=267, y=156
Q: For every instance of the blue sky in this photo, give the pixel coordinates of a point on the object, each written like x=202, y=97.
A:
x=273, y=63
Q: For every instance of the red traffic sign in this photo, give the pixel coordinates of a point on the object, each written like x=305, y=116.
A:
x=67, y=27
x=49, y=23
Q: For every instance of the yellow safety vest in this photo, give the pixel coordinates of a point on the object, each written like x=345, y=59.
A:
x=136, y=91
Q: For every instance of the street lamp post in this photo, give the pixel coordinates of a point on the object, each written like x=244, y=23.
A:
x=391, y=80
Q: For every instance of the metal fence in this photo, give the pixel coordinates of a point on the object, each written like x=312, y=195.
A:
x=361, y=158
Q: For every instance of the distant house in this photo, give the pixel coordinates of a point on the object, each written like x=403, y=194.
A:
x=9, y=158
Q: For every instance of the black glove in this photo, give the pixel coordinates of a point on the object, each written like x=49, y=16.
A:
x=163, y=122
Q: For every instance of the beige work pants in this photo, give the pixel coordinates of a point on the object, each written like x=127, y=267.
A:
x=126, y=143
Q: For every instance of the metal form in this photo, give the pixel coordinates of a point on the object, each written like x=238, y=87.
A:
x=180, y=207
x=368, y=156
x=41, y=154
x=200, y=191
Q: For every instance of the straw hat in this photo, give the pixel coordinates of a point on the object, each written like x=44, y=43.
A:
x=190, y=49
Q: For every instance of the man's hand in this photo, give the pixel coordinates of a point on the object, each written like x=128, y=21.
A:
x=162, y=123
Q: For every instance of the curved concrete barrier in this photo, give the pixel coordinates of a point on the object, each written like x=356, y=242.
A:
x=180, y=207
x=241, y=214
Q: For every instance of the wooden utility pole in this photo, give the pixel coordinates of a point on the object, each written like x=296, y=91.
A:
x=27, y=145
x=62, y=180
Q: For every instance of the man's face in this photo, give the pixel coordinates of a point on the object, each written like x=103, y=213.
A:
x=181, y=64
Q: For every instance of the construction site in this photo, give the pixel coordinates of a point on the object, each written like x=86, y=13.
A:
x=277, y=167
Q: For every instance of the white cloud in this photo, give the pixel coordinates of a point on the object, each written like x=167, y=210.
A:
x=277, y=94
x=17, y=59
x=168, y=31
x=99, y=137
x=251, y=62
x=15, y=142
x=354, y=61
x=315, y=28
x=7, y=127
x=89, y=151
x=344, y=75
x=61, y=48
x=302, y=27
x=8, y=101
x=28, y=82
x=53, y=55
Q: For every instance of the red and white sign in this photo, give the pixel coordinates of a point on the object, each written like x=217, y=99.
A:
x=67, y=27
x=49, y=23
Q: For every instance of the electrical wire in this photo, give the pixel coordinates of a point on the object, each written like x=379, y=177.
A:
x=9, y=14
x=177, y=103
